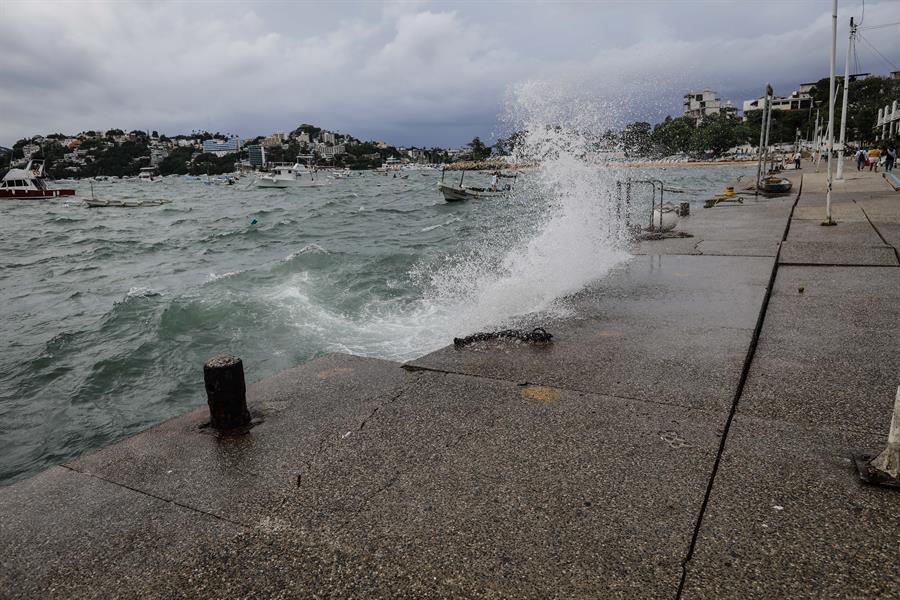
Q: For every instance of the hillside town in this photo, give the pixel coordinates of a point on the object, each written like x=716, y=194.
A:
x=116, y=153
x=709, y=128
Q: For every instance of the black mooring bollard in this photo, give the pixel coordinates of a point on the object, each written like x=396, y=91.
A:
x=226, y=392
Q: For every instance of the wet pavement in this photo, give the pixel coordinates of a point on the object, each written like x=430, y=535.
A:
x=687, y=433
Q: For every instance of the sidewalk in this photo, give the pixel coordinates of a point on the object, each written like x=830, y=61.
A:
x=687, y=433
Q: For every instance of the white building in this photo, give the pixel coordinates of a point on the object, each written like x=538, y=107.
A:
x=798, y=100
x=328, y=151
x=888, y=124
x=303, y=137
x=327, y=137
x=698, y=105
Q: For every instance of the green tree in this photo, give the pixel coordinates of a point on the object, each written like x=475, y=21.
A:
x=177, y=162
x=672, y=135
x=714, y=136
x=479, y=150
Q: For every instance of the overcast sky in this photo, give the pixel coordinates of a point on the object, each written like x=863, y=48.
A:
x=414, y=73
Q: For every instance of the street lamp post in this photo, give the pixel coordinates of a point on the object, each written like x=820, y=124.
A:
x=828, y=220
x=840, y=165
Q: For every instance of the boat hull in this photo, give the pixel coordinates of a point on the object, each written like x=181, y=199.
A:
x=455, y=193
x=286, y=183
x=780, y=186
x=14, y=194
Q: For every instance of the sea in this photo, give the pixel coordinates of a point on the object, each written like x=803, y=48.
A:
x=108, y=314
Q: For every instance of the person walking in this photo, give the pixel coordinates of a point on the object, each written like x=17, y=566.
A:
x=860, y=159
x=890, y=159
x=874, y=157
x=797, y=161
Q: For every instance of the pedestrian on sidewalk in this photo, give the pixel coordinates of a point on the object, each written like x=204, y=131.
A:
x=874, y=157
x=891, y=159
x=797, y=161
x=860, y=159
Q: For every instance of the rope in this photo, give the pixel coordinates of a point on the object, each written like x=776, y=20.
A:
x=537, y=335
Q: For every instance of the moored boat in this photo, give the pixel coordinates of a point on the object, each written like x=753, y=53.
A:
x=458, y=193
x=95, y=203
x=284, y=175
x=149, y=174
x=775, y=185
x=29, y=184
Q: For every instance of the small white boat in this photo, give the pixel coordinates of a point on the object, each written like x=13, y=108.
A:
x=149, y=174
x=284, y=175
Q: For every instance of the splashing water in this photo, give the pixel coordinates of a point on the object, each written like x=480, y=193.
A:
x=576, y=236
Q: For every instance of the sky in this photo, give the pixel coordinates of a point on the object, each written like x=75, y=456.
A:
x=409, y=73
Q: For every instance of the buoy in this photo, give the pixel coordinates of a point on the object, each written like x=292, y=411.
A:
x=729, y=192
x=253, y=221
x=664, y=221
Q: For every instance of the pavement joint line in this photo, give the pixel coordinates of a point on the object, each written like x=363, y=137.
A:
x=745, y=372
x=155, y=497
x=708, y=254
x=854, y=265
x=877, y=231
x=411, y=367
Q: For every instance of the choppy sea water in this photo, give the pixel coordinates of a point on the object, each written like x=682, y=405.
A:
x=107, y=315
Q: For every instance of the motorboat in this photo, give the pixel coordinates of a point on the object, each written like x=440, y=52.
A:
x=149, y=174
x=29, y=183
x=284, y=175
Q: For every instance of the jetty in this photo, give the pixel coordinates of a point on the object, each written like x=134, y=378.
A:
x=689, y=432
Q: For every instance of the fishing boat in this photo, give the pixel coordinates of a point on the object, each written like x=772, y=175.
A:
x=775, y=185
x=28, y=183
x=460, y=192
x=285, y=175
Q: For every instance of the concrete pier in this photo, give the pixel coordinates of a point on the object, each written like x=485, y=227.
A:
x=688, y=433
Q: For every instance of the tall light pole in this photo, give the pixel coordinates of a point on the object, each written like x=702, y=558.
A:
x=840, y=165
x=818, y=143
x=762, y=135
x=828, y=220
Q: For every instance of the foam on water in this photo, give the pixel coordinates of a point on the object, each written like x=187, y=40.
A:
x=521, y=276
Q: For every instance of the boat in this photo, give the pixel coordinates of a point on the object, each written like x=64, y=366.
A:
x=28, y=183
x=94, y=203
x=460, y=192
x=149, y=174
x=284, y=175
x=775, y=185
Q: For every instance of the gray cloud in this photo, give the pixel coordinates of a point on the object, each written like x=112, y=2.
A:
x=424, y=73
